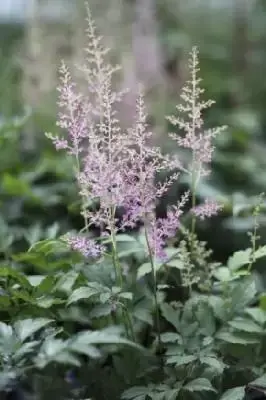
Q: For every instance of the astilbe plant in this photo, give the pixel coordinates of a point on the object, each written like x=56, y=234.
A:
x=116, y=168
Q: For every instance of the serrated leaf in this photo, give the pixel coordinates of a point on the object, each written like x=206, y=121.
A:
x=6, y=378
x=88, y=350
x=25, y=349
x=101, y=310
x=213, y=362
x=171, y=394
x=219, y=308
x=260, y=252
x=246, y=325
x=35, y=280
x=144, y=315
x=171, y=315
x=45, y=286
x=67, y=281
x=55, y=350
x=122, y=237
x=206, y=318
x=171, y=337
x=146, y=269
x=126, y=295
x=175, y=263
x=236, y=393
x=5, y=330
x=135, y=391
x=48, y=301
x=260, y=381
x=82, y=293
x=27, y=327
x=105, y=336
x=239, y=259
x=223, y=274
x=242, y=294
x=16, y=275
x=199, y=385
x=180, y=360
x=256, y=314
x=229, y=337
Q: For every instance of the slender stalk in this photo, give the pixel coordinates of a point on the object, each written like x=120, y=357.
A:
x=154, y=288
x=119, y=277
x=86, y=227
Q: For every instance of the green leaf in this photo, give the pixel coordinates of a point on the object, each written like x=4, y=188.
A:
x=35, y=280
x=55, y=350
x=171, y=394
x=82, y=293
x=229, y=337
x=171, y=337
x=105, y=336
x=246, y=325
x=223, y=274
x=88, y=350
x=25, y=349
x=260, y=252
x=5, y=330
x=143, y=314
x=180, y=360
x=27, y=327
x=135, y=391
x=6, y=378
x=257, y=314
x=213, y=362
x=15, y=186
x=260, y=381
x=236, y=393
x=199, y=385
x=206, y=319
x=242, y=294
x=46, y=285
x=101, y=310
x=175, y=263
x=239, y=259
x=47, y=301
x=219, y=307
x=67, y=281
x=121, y=237
x=171, y=315
x=8, y=272
x=146, y=269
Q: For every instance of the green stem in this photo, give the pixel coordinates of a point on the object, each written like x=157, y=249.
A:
x=154, y=288
x=119, y=277
x=193, y=200
x=82, y=198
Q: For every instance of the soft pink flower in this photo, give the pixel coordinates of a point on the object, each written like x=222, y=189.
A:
x=208, y=209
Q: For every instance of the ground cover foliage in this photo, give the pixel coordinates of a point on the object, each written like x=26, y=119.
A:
x=101, y=298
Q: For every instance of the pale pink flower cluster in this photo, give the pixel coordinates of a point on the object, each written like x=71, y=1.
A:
x=208, y=209
x=117, y=167
x=196, y=138
x=84, y=245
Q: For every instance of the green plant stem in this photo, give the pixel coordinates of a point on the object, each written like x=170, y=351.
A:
x=119, y=276
x=154, y=288
x=193, y=200
x=82, y=197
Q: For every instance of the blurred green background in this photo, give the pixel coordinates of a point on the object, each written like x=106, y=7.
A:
x=151, y=39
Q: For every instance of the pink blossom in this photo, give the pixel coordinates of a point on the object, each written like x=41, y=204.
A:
x=208, y=209
x=86, y=246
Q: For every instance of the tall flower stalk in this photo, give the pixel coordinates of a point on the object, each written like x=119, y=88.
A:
x=116, y=168
x=195, y=138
